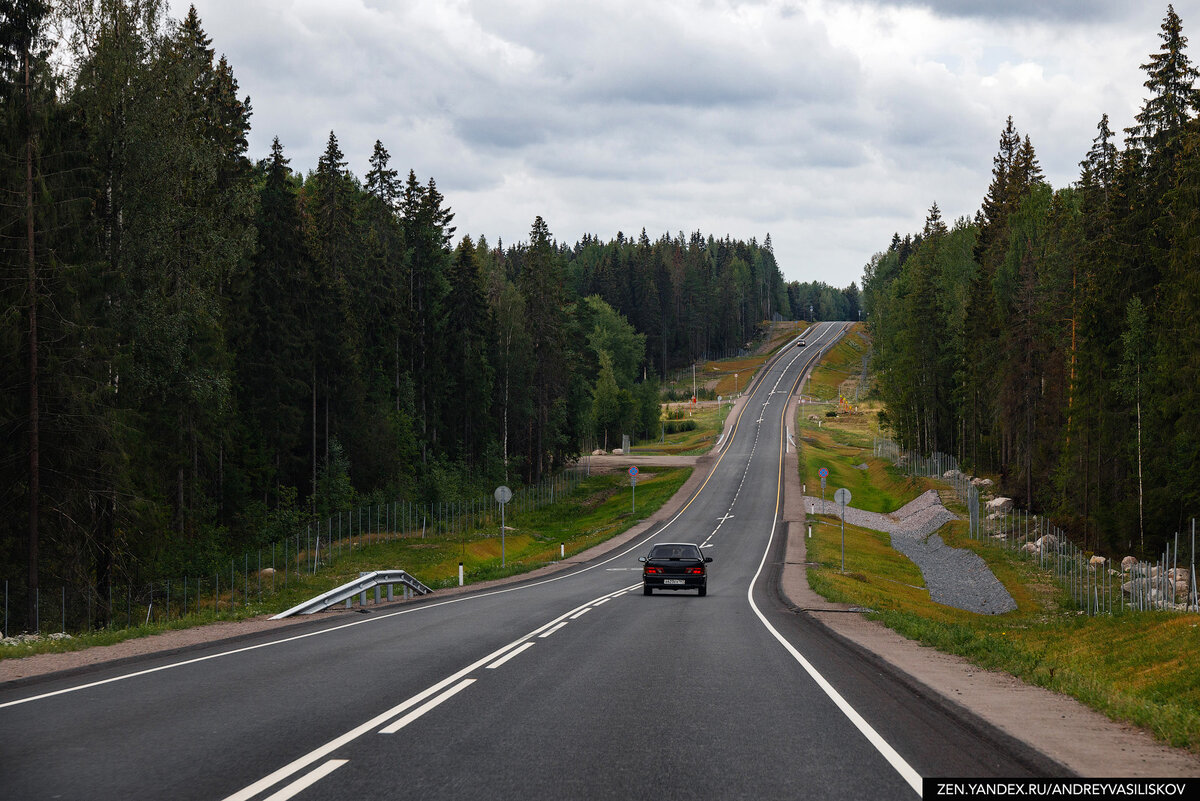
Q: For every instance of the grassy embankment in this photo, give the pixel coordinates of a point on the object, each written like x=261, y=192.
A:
x=1134, y=667
x=599, y=509
x=726, y=378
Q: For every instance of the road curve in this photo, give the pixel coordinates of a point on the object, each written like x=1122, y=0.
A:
x=570, y=686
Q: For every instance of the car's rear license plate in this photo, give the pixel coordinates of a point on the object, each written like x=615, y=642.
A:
x=673, y=581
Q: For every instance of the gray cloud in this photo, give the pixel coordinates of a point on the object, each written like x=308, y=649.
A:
x=829, y=124
x=1068, y=11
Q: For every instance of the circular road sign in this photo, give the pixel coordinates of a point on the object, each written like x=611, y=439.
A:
x=842, y=496
x=503, y=494
x=633, y=471
x=823, y=472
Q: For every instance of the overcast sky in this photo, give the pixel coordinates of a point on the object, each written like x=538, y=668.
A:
x=827, y=124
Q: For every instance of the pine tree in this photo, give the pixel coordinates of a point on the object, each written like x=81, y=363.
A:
x=274, y=337
x=1171, y=78
x=469, y=374
x=332, y=237
x=542, y=286
x=24, y=91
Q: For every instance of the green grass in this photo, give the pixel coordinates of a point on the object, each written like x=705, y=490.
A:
x=709, y=417
x=1134, y=667
x=599, y=509
x=726, y=378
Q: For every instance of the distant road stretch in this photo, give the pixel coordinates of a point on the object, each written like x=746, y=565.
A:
x=576, y=686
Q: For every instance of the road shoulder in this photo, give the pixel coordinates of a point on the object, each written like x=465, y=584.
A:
x=1055, y=725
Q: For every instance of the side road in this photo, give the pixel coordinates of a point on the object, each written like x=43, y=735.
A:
x=1057, y=726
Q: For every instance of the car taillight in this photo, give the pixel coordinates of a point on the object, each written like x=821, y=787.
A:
x=695, y=571
x=654, y=569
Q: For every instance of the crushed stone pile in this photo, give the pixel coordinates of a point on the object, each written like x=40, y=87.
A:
x=954, y=576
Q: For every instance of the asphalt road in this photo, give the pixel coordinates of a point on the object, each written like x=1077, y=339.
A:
x=577, y=686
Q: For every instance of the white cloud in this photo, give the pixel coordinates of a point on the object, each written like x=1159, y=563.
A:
x=828, y=124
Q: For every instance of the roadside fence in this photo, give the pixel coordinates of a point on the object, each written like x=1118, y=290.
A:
x=1096, y=585
x=260, y=574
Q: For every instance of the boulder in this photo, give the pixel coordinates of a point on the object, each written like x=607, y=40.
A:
x=1141, y=586
x=952, y=474
x=598, y=452
x=1047, y=541
x=1031, y=548
x=1000, y=505
x=1182, y=590
x=1097, y=562
x=618, y=452
x=981, y=482
x=267, y=572
x=1128, y=562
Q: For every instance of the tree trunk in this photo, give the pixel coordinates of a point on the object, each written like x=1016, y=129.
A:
x=1141, y=512
x=312, y=499
x=34, y=418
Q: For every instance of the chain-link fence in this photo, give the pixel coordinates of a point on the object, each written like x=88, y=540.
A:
x=1094, y=583
x=260, y=574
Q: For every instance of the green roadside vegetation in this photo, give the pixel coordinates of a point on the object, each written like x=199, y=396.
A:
x=599, y=509
x=1137, y=667
x=718, y=378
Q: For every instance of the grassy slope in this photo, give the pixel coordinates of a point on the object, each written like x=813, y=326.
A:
x=598, y=510
x=729, y=377
x=1135, y=667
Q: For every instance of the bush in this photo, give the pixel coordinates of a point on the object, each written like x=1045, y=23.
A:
x=678, y=427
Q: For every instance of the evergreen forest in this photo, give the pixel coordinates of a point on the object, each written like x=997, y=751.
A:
x=1053, y=338
x=203, y=349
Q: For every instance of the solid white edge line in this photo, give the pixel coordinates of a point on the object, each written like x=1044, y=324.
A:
x=515, y=652
x=375, y=619
x=898, y=762
x=304, y=782
x=641, y=541
x=299, y=764
x=881, y=745
x=425, y=707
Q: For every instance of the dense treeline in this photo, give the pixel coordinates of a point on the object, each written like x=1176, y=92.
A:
x=1055, y=337
x=202, y=349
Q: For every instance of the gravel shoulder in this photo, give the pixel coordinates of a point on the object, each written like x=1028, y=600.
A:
x=1078, y=738
x=954, y=576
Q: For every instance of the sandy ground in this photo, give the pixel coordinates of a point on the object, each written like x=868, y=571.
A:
x=1078, y=738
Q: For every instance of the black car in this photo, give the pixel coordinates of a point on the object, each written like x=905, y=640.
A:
x=675, y=566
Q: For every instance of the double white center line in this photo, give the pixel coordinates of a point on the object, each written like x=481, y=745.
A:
x=438, y=693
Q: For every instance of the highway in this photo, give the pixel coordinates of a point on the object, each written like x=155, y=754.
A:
x=576, y=686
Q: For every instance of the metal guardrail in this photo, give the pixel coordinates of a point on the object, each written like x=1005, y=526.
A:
x=366, y=581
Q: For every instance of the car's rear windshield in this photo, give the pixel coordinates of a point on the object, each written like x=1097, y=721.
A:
x=675, y=552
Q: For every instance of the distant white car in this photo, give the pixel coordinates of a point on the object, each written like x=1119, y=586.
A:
x=801, y=344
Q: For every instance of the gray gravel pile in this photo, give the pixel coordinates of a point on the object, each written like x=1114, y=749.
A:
x=955, y=576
